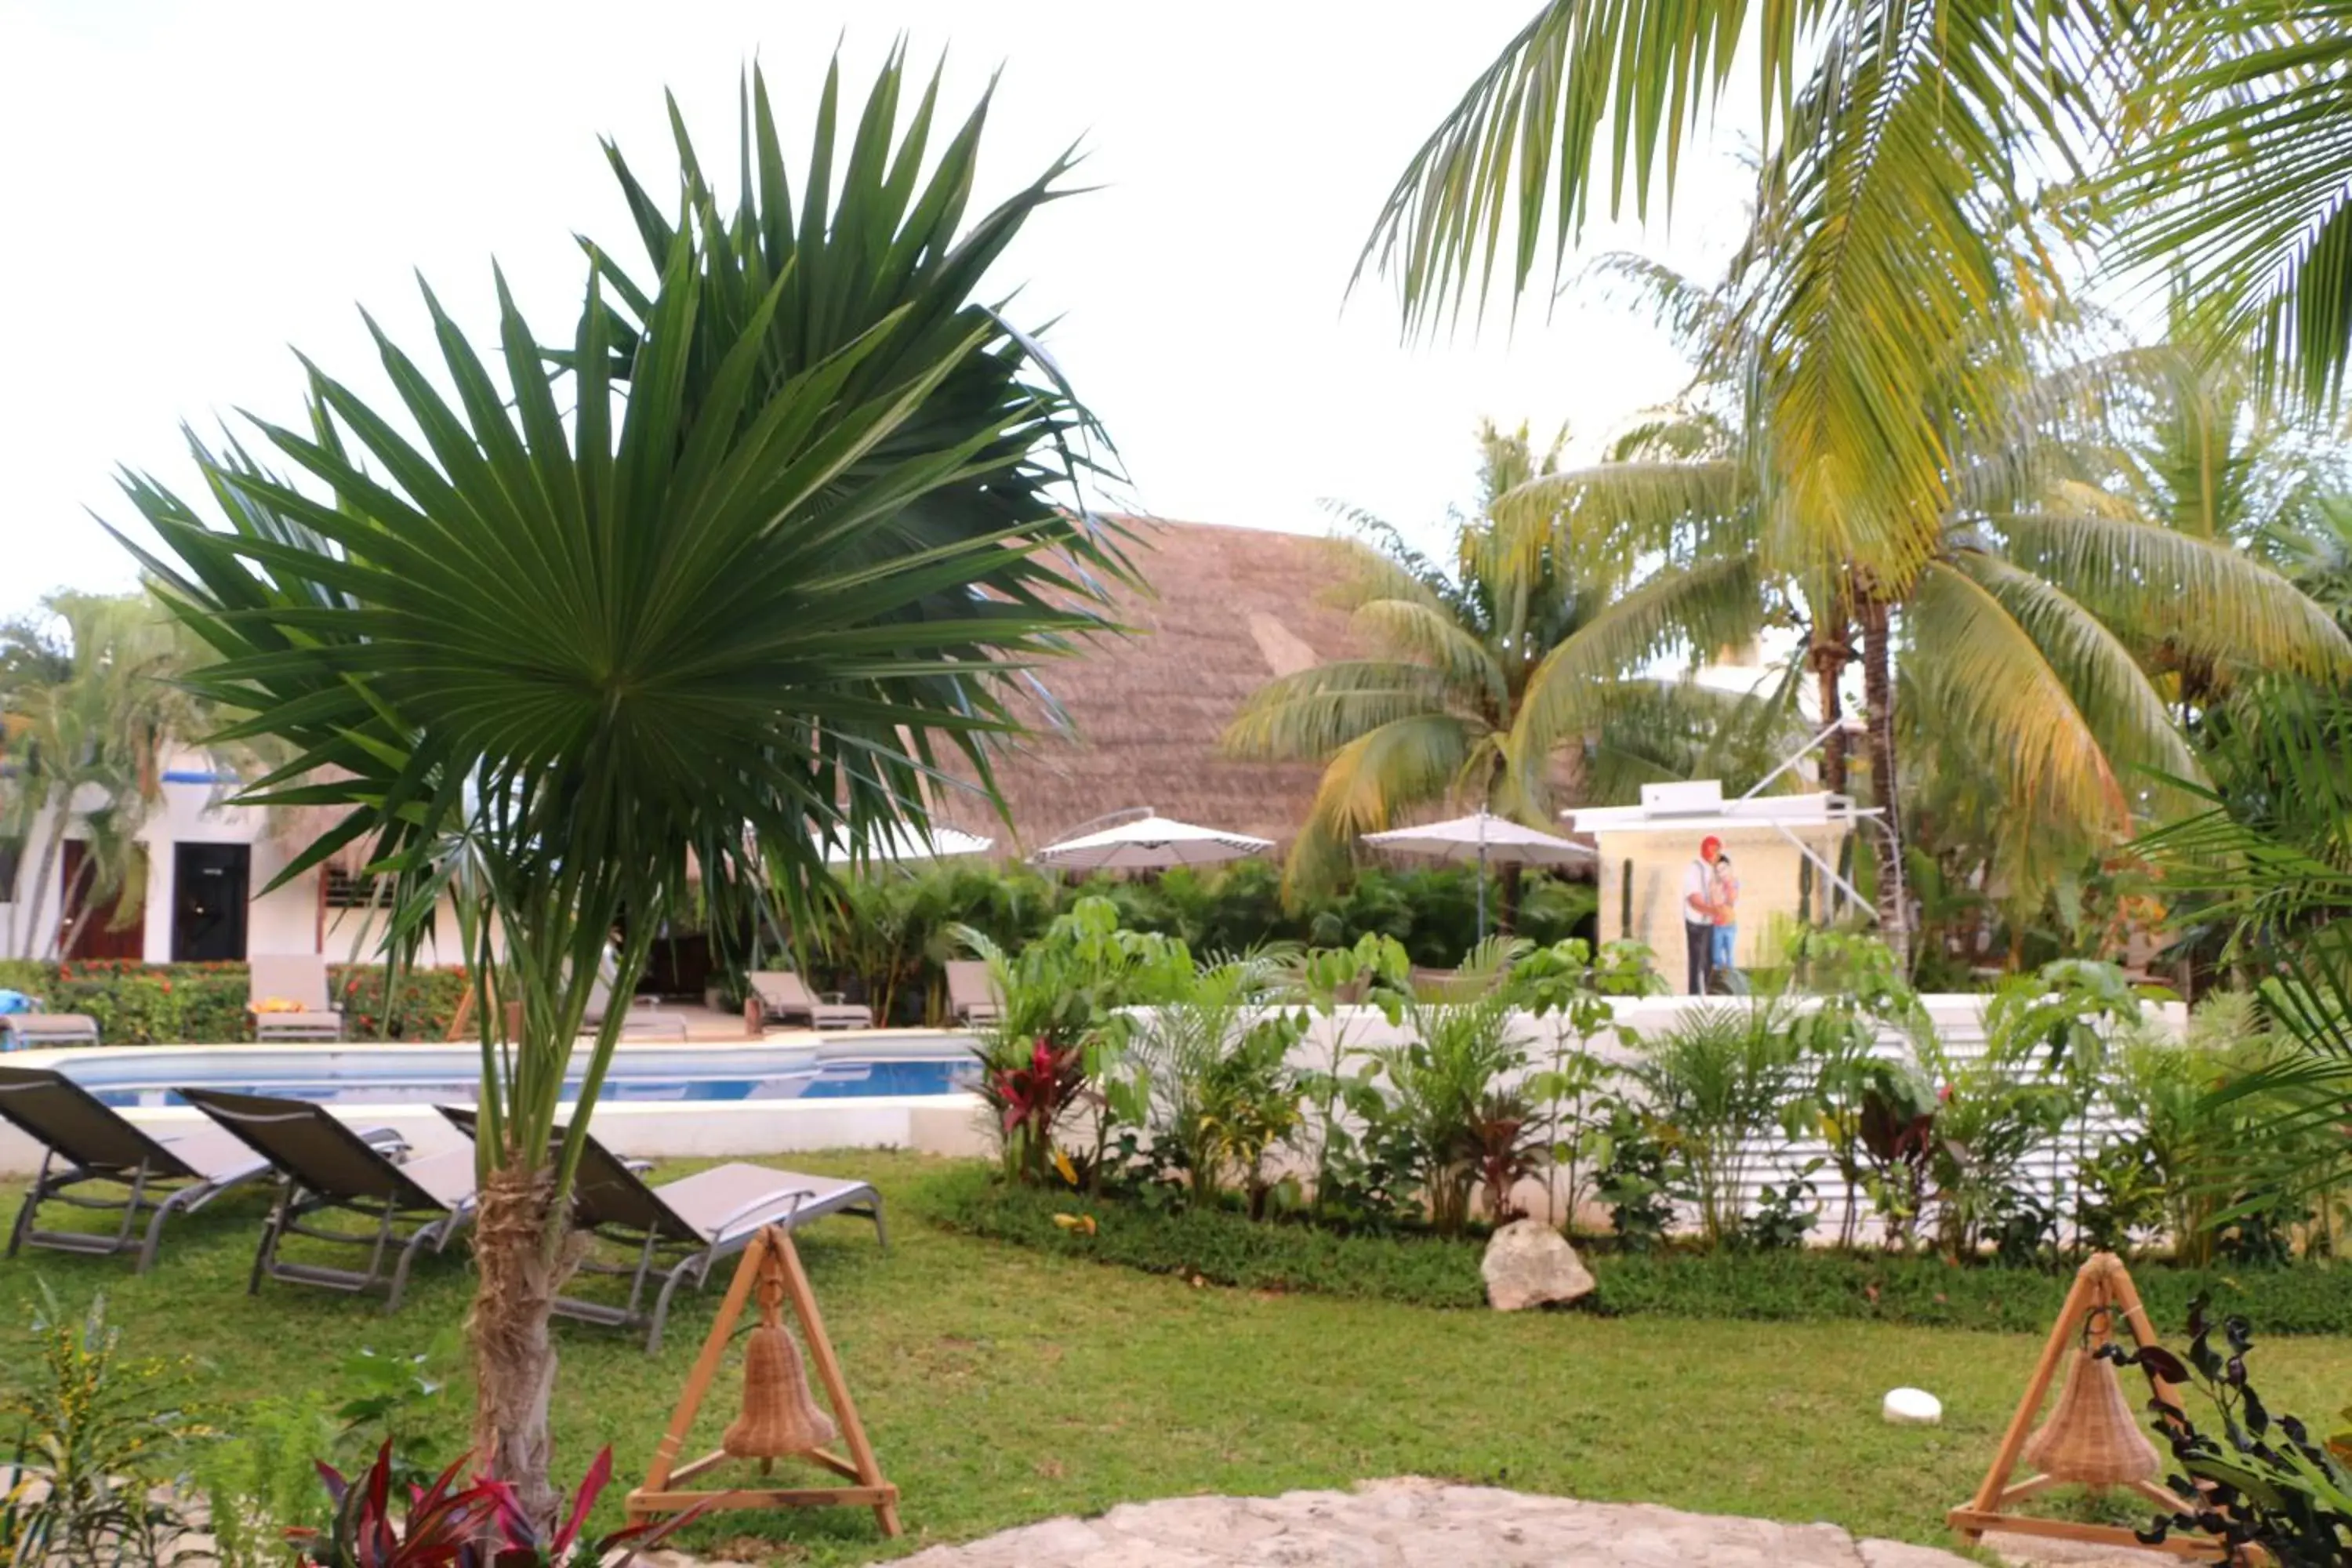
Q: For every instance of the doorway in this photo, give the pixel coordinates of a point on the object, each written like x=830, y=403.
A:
x=100, y=935
x=209, y=884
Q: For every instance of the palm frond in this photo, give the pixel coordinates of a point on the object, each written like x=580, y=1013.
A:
x=2202, y=595
x=2003, y=653
x=1309, y=714
x=1716, y=603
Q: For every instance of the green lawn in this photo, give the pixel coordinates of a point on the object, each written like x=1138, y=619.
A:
x=1002, y=1385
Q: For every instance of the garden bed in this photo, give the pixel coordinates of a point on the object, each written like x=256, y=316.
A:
x=1219, y=1247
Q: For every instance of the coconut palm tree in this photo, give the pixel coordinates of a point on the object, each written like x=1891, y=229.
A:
x=1896, y=222
x=2217, y=133
x=2043, y=629
x=1436, y=713
x=88, y=708
x=642, y=623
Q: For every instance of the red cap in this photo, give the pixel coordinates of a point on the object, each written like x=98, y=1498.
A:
x=1710, y=842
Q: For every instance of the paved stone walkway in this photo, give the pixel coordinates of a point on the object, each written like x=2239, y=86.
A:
x=1421, y=1524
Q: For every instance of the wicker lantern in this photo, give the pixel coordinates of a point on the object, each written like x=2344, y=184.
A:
x=2091, y=1437
x=780, y=1416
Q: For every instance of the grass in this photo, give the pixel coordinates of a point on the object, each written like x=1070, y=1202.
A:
x=1002, y=1385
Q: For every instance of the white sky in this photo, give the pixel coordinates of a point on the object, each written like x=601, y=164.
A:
x=193, y=188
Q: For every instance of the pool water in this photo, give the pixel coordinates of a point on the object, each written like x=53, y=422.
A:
x=672, y=1083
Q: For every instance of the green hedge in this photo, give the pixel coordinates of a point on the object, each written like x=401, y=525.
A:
x=203, y=1003
x=1810, y=1286
x=1220, y=1247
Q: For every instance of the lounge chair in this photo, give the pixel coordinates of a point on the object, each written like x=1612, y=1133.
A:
x=167, y=1175
x=972, y=996
x=640, y=1018
x=324, y=1166
x=681, y=1228
x=300, y=978
x=28, y=1031
x=784, y=996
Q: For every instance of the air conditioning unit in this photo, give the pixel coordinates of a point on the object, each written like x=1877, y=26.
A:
x=1700, y=797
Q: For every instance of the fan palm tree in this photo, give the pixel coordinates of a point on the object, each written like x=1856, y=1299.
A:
x=656, y=616
x=1437, y=713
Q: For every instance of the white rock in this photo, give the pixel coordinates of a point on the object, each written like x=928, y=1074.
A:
x=1529, y=1264
x=1912, y=1407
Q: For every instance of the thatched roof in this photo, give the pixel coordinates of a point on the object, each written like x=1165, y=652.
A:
x=1229, y=608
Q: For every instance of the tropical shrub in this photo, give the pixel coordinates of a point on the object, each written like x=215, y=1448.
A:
x=1342, y=1110
x=2080, y=1015
x=1570, y=981
x=1991, y=1114
x=101, y=1432
x=261, y=1480
x=1715, y=1082
x=1206, y=1075
x=1062, y=1029
x=1448, y=1100
x=1850, y=1097
x=2267, y=1481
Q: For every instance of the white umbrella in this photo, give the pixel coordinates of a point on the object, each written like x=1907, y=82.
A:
x=900, y=843
x=1148, y=842
x=1482, y=837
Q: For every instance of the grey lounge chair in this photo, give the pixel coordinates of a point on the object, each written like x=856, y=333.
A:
x=29, y=1030
x=86, y=1140
x=681, y=1228
x=325, y=1166
x=784, y=996
x=641, y=1018
x=972, y=996
x=300, y=978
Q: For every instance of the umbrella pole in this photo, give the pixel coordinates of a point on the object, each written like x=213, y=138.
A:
x=1482, y=875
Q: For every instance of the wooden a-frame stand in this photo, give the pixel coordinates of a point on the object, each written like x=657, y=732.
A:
x=772, y=1249
x=2101, y=1282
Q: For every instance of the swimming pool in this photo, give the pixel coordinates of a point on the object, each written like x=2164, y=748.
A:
x=347, y=1075
x=901, y=1089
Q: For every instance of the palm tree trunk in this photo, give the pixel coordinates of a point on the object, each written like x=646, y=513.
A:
x=73, y=905
x=1829, y=655
x=521, y=1274
x=36, y=944
x=1507, y=917
x=1878, y=703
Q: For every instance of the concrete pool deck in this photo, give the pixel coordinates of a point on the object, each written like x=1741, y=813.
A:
x=931, y=1124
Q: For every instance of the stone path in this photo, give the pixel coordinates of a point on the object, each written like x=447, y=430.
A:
x=1421, y=1524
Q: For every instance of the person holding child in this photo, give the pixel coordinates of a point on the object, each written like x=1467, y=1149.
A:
x=1723, y=962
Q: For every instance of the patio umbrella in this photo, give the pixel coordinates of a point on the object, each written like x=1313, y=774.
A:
x=902, y=844
x=1149, y=842
x=1482, y=838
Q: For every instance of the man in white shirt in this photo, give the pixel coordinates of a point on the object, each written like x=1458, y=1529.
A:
x=1699, y=915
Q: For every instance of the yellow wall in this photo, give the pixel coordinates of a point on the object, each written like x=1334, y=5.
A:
x=1768, y=865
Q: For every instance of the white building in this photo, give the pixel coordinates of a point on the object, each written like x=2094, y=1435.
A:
x=201, y=899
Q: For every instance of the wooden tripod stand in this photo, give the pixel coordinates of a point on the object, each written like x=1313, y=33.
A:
x=2102, y=1284
x=771, y=1252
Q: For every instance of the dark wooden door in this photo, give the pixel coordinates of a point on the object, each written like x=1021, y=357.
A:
x=210, y=884
x=100, y=936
